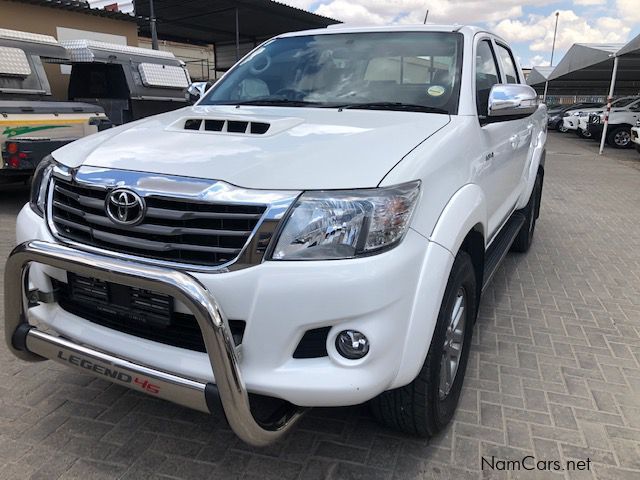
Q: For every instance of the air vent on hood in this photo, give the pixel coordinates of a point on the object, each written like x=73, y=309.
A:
x=229, y=126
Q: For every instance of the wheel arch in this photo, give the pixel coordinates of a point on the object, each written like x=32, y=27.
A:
x=474, y=245
x=462, y=221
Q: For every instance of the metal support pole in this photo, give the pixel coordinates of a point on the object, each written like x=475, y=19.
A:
x=546, y=87
x=555, y=31
x=154, y=32
x=609, y=98
x=237, y=35
x=553, y=49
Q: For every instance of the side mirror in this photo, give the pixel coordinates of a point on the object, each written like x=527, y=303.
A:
x=511, y=100
x=197, y=90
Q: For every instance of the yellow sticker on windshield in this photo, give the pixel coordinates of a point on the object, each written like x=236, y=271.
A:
x=435, y=90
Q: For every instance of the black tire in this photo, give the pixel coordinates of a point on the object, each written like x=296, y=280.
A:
x=531, y=213
x=562, y=128
x=637, y=147
x=583, y=133
x=619, y=137
x=419, y=408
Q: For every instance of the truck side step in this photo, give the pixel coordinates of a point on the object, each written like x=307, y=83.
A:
x=500, y=246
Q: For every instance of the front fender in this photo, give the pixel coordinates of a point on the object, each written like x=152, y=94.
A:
x=465, y=211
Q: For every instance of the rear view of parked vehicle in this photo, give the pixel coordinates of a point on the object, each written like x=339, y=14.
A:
x=31, y=124
x=128, y=82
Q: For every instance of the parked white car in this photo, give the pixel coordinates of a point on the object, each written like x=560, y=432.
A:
x=621, y=120
x=577, y=120
x=635, y=136
x=316, y=231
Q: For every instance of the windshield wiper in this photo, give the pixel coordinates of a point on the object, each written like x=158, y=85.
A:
x=398, y=106
x=273, y=102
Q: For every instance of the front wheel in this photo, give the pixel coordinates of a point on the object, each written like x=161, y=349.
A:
x=426, y=405
x=562, y=128
x=619, y=137
x=583, y=133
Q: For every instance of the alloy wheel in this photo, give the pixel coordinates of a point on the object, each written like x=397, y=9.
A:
x=453, y=343
x=622, y=138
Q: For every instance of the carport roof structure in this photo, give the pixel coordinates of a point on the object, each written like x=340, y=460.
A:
x=586, y=69
x=214, y=21
x=539, y=75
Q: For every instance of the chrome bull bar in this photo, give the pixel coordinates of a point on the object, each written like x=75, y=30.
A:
x=30, y=344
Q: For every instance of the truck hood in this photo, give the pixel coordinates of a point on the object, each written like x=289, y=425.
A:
x=302, y=149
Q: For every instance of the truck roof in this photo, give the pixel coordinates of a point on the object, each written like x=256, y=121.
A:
x=345, y=28
x=89, y=51
x=33, y=43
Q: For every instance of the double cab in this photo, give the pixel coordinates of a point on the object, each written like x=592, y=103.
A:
x=317, y=230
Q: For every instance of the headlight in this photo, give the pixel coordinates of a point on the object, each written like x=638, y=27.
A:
x=345, y=224
x=39, y=184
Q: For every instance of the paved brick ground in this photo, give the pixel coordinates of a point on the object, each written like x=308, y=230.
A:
x=554, y=372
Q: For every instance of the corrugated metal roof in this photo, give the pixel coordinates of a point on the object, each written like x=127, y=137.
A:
x=539, y=75
x=213, y=21
x=631, y=48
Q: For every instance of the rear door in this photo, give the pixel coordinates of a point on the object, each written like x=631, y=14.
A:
x=522, y=129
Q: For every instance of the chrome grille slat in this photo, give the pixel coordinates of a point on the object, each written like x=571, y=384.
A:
x=154, y=212
x=83, y=200
x=174, y=229
x=153, y=229
x=157, y=246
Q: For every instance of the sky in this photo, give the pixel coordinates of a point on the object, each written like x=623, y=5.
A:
x=526, y=24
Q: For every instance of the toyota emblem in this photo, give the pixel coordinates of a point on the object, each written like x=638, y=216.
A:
x=125, y=207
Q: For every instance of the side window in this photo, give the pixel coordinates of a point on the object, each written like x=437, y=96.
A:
x=508, y=64
x=486, y=75
x=635, y=108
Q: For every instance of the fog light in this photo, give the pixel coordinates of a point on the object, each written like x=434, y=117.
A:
x=352, y=344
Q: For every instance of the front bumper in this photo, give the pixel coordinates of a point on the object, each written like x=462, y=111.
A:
x=571, y=122
x=393, y=298
x=553, y=122
x=29, y=343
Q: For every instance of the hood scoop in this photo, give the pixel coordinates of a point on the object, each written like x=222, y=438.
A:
x=244, y=125
x=228, y=126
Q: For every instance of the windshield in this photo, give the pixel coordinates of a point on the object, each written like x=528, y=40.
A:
x=358, y=70
x=623, y=102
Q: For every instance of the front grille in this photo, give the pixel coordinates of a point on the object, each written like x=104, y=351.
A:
x=134, y=311
x=173, y=229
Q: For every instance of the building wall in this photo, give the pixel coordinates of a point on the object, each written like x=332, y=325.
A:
x=46, y=20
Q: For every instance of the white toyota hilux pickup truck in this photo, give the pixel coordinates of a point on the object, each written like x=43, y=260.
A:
x=316, y=231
